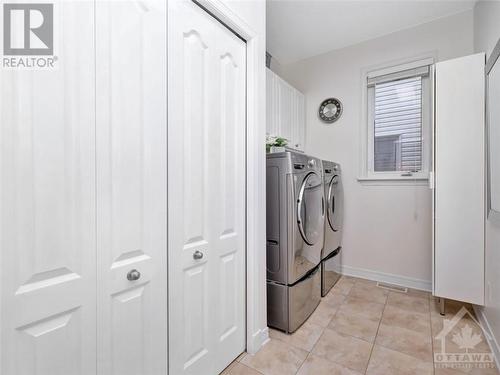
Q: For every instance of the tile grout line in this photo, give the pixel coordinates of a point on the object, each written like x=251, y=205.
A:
x=432, y=303
x=336, y=310
x=316, y=343
x=296, y=347
x=412, y=355
x=248, y=367
x=376, y=334
x=327, y=327
x=356, y=280
x=309, y=353
x=303, y=362
x=432, y=334
x=345, y=297
x=230, y=370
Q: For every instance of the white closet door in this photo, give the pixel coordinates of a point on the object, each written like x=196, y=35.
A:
x=228, y=204
x=47, y=206
x=131, y=187
x=206, y=192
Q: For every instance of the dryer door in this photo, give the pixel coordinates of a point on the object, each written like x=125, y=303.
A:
x=335, y=205
x=311, y=209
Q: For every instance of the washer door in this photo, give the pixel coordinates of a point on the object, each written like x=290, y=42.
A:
x=335, y=203
x=311, y=208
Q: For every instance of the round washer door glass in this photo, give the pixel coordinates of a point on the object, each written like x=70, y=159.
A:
x=310, y=208
x=335, y=203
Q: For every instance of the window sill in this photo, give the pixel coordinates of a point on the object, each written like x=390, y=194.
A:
x=394, y=180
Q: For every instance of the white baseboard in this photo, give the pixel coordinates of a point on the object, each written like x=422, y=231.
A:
x=490, y=337
x=258, y=340
x=398, y=280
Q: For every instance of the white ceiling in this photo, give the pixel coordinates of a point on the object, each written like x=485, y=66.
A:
x=298, y=29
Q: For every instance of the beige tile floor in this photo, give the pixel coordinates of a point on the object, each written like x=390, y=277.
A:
x=360, y=328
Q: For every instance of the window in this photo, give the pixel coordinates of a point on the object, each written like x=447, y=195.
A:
x=399, y=122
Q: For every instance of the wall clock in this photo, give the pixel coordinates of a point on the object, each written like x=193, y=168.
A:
x=330, y=110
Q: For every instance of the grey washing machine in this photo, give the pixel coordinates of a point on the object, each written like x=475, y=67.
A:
x=295, y=235
x=331, y=253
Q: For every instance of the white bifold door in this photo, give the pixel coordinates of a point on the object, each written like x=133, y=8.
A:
x=206, y=188
x=131, y=134
x=83, y=198
x=47, y=206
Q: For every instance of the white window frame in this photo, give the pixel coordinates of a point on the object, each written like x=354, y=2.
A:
x=367, y=172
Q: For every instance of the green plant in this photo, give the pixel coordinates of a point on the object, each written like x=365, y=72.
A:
x=280, y=142
x=272, y=141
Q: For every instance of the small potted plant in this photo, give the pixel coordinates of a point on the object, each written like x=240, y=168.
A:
x=275, y=144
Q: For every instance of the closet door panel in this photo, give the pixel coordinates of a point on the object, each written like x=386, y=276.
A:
x=131, y=186
x=206, y=192
x=229, y=143
x=190, y=190
x=47, y=200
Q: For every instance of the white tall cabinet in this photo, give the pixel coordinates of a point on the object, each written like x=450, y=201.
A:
x=459, y=167
x=285, y=111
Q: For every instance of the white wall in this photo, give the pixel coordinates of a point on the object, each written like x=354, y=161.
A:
x=486, y=35
x=486, y=26
x=276, y=67
x=387, y=228
x=253, y=12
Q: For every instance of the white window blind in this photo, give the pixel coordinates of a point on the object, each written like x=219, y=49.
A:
x=397, y=121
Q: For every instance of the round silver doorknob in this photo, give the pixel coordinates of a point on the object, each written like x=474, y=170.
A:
x=197, y=255
x=133, y=275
